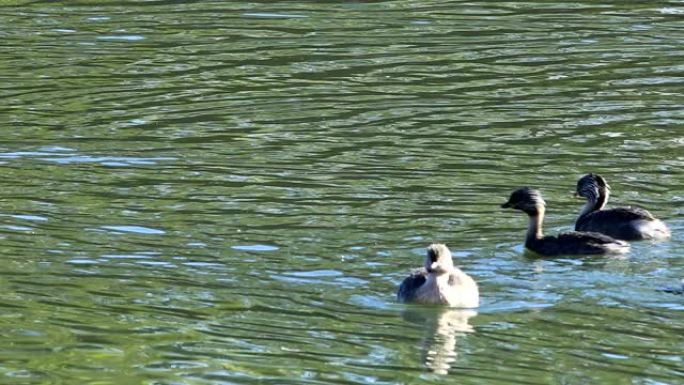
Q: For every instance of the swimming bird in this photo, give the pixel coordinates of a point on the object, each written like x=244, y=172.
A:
x=628, y=223
x=530, y=202
x=439, y=282
x=675, y=290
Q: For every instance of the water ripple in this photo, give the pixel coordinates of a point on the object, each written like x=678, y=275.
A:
x=231, y=192
x=134, y=229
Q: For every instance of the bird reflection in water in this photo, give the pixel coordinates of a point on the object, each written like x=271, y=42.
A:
x=443, y=328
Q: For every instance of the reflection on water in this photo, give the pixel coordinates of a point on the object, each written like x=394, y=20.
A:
x=230, y=192
x=442, y=327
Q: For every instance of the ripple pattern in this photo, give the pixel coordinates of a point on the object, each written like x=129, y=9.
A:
x=224, y=192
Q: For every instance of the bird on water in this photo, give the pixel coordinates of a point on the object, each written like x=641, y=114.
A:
x=627, y=223
x=439, y=282
x=530, y=202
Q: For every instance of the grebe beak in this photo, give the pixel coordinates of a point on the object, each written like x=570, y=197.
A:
x=433, y=266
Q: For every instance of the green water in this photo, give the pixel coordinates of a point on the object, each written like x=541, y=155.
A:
x=230, y=192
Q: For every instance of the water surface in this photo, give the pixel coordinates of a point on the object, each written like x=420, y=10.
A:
x=229, y=193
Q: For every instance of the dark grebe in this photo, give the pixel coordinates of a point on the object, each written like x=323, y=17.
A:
x=530, y=202
x=629, y=223
x=439, y=282
x=675, y=290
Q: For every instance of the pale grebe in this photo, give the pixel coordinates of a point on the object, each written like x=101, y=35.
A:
x=439, y=282
x=530, y=202
x=629, y=223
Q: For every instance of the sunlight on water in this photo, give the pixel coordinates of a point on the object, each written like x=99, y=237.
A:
x=134, y=229
x=271, y=15
x=229, y=193
x=255, y=248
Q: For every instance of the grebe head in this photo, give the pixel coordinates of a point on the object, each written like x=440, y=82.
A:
x=527, y=200
x=438, y=259
x=592, y=186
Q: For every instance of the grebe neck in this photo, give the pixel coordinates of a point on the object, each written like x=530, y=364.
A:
x=436, y=280
x=588, y=207
x=534, y=227
x=602, y=200
x=594, y=202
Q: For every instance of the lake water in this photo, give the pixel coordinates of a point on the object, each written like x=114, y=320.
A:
x=230, y=192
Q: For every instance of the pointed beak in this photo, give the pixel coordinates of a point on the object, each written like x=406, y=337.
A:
x=506, y=205
x=434, y=266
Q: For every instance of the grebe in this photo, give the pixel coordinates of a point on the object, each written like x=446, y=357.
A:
x=676, y=290
x=530, y=202
x=439, y=282
x=628, y=223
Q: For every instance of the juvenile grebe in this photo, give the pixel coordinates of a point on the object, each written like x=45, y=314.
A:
x=530, y=202
x=439, y=282
x=629, y=223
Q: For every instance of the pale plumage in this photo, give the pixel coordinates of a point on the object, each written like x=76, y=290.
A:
x=439, y=282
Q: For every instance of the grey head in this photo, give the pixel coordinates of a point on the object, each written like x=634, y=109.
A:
x=526, y=199
x=438, y=259
x=592, y=186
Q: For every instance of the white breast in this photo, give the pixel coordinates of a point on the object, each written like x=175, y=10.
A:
x=456, y=290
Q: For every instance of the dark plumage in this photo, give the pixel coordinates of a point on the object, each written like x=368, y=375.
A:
x=530, y=202
x=409, y=286
x=627, y=223
x=675, y=290
x=574, y=242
